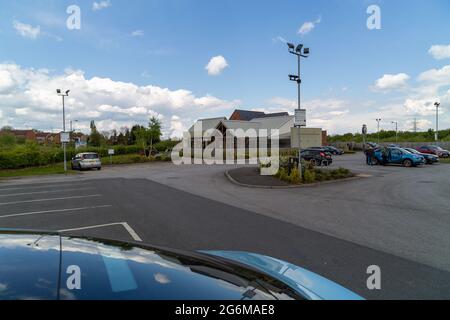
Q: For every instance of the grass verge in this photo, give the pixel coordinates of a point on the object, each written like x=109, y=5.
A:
x=33, y=171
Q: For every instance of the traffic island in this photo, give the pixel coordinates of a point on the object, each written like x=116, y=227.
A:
x=250, y=177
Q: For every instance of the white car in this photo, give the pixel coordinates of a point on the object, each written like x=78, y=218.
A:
x=88, y=160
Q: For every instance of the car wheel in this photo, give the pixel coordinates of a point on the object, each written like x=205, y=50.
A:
x=407, y=163
x=99, y=168
x=313, y=162
x=79, y=167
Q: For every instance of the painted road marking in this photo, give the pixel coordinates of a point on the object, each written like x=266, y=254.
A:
x=42, y=192
x=41, y=185
x=127, y=227
x=51, y=199
x=54, y=211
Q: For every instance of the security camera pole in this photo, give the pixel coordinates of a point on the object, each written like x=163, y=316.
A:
x=437, y=104
x=63, y=95
x=300, y=115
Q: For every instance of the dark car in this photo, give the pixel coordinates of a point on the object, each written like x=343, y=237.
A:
x=318, y=157
x=436, y=150
x=330, y=149
x=54, y=267
x=372, y=145
x=429, y=158
x=334, y=150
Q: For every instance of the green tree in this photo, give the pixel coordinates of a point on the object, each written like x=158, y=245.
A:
x=154, y=131
x=95, y=138
x=141, y=135
x=7, y=140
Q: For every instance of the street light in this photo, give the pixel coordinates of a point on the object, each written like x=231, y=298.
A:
x=437, y=104
x=72, y=128
x=378, y=132
x=396, y=130
x=300, y=52
x=63, y=95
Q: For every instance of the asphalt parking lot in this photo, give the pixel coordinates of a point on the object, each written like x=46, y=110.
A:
x=335, y=230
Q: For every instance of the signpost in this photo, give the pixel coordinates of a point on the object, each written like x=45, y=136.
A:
x=110, y=153
x=65, y=137
x=300, y=118
x=364, y=133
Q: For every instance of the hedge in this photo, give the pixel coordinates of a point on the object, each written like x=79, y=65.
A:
x=31, y=155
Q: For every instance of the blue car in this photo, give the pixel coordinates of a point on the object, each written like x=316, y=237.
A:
x=50, y=266
x=399, y=156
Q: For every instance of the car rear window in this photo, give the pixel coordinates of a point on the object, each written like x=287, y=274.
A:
x=90, y=156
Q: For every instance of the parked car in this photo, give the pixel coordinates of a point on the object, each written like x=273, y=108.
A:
x=88, y=160
x=372, y=145
x=429, y=158
x=318, y=157
x=49, y=266
x=334, y=151
x=436, y=150
x=399, y=156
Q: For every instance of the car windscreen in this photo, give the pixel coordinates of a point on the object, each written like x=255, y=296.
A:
x=123, y=273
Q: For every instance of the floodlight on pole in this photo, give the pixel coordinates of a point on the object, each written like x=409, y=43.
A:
x=63, y=95
x=300, y=52
x=437, y=104
x=396, y=130
x=378, y=130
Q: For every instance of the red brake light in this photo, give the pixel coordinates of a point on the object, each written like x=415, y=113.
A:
x=322, y=154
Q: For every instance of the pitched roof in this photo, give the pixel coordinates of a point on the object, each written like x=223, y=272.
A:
x=271, y=115
x=247, y=115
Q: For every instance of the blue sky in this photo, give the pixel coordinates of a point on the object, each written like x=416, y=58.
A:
x=133, y=59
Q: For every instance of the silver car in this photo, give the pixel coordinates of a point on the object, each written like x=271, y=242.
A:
x=88, y=160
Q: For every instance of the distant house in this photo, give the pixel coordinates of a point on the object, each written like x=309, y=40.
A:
x=45, y=137
x=24, y=134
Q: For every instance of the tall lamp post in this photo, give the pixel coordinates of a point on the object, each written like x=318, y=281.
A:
x=72, y=127
x=300, y=52
x=436, y=136
x=378, y=130
x=63, y=95
x=396, y=130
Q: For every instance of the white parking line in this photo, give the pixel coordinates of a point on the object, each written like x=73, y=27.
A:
x=42, y=192
x=42, y=185
x=54, y=211
x=51, y=199
x=127, y=227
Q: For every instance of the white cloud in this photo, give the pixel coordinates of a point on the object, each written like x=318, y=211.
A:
x=392, y=82
x=137, y=33
x=279, y=39
x=26, y=30
x=177, y=128
x=440, y=52
x=28, y=96
x=216, y=65
x=308, y=26
x=101, y=5
x=437, y=76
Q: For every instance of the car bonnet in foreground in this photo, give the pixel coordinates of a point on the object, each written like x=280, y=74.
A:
x=47, y=266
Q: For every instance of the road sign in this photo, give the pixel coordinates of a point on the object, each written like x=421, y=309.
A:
x=300, y=118
x=65, y=137
x=364, y=129
x=111, y=152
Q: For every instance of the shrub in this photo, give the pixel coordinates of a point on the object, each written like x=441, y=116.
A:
x=294, y=177
x=309, y=176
